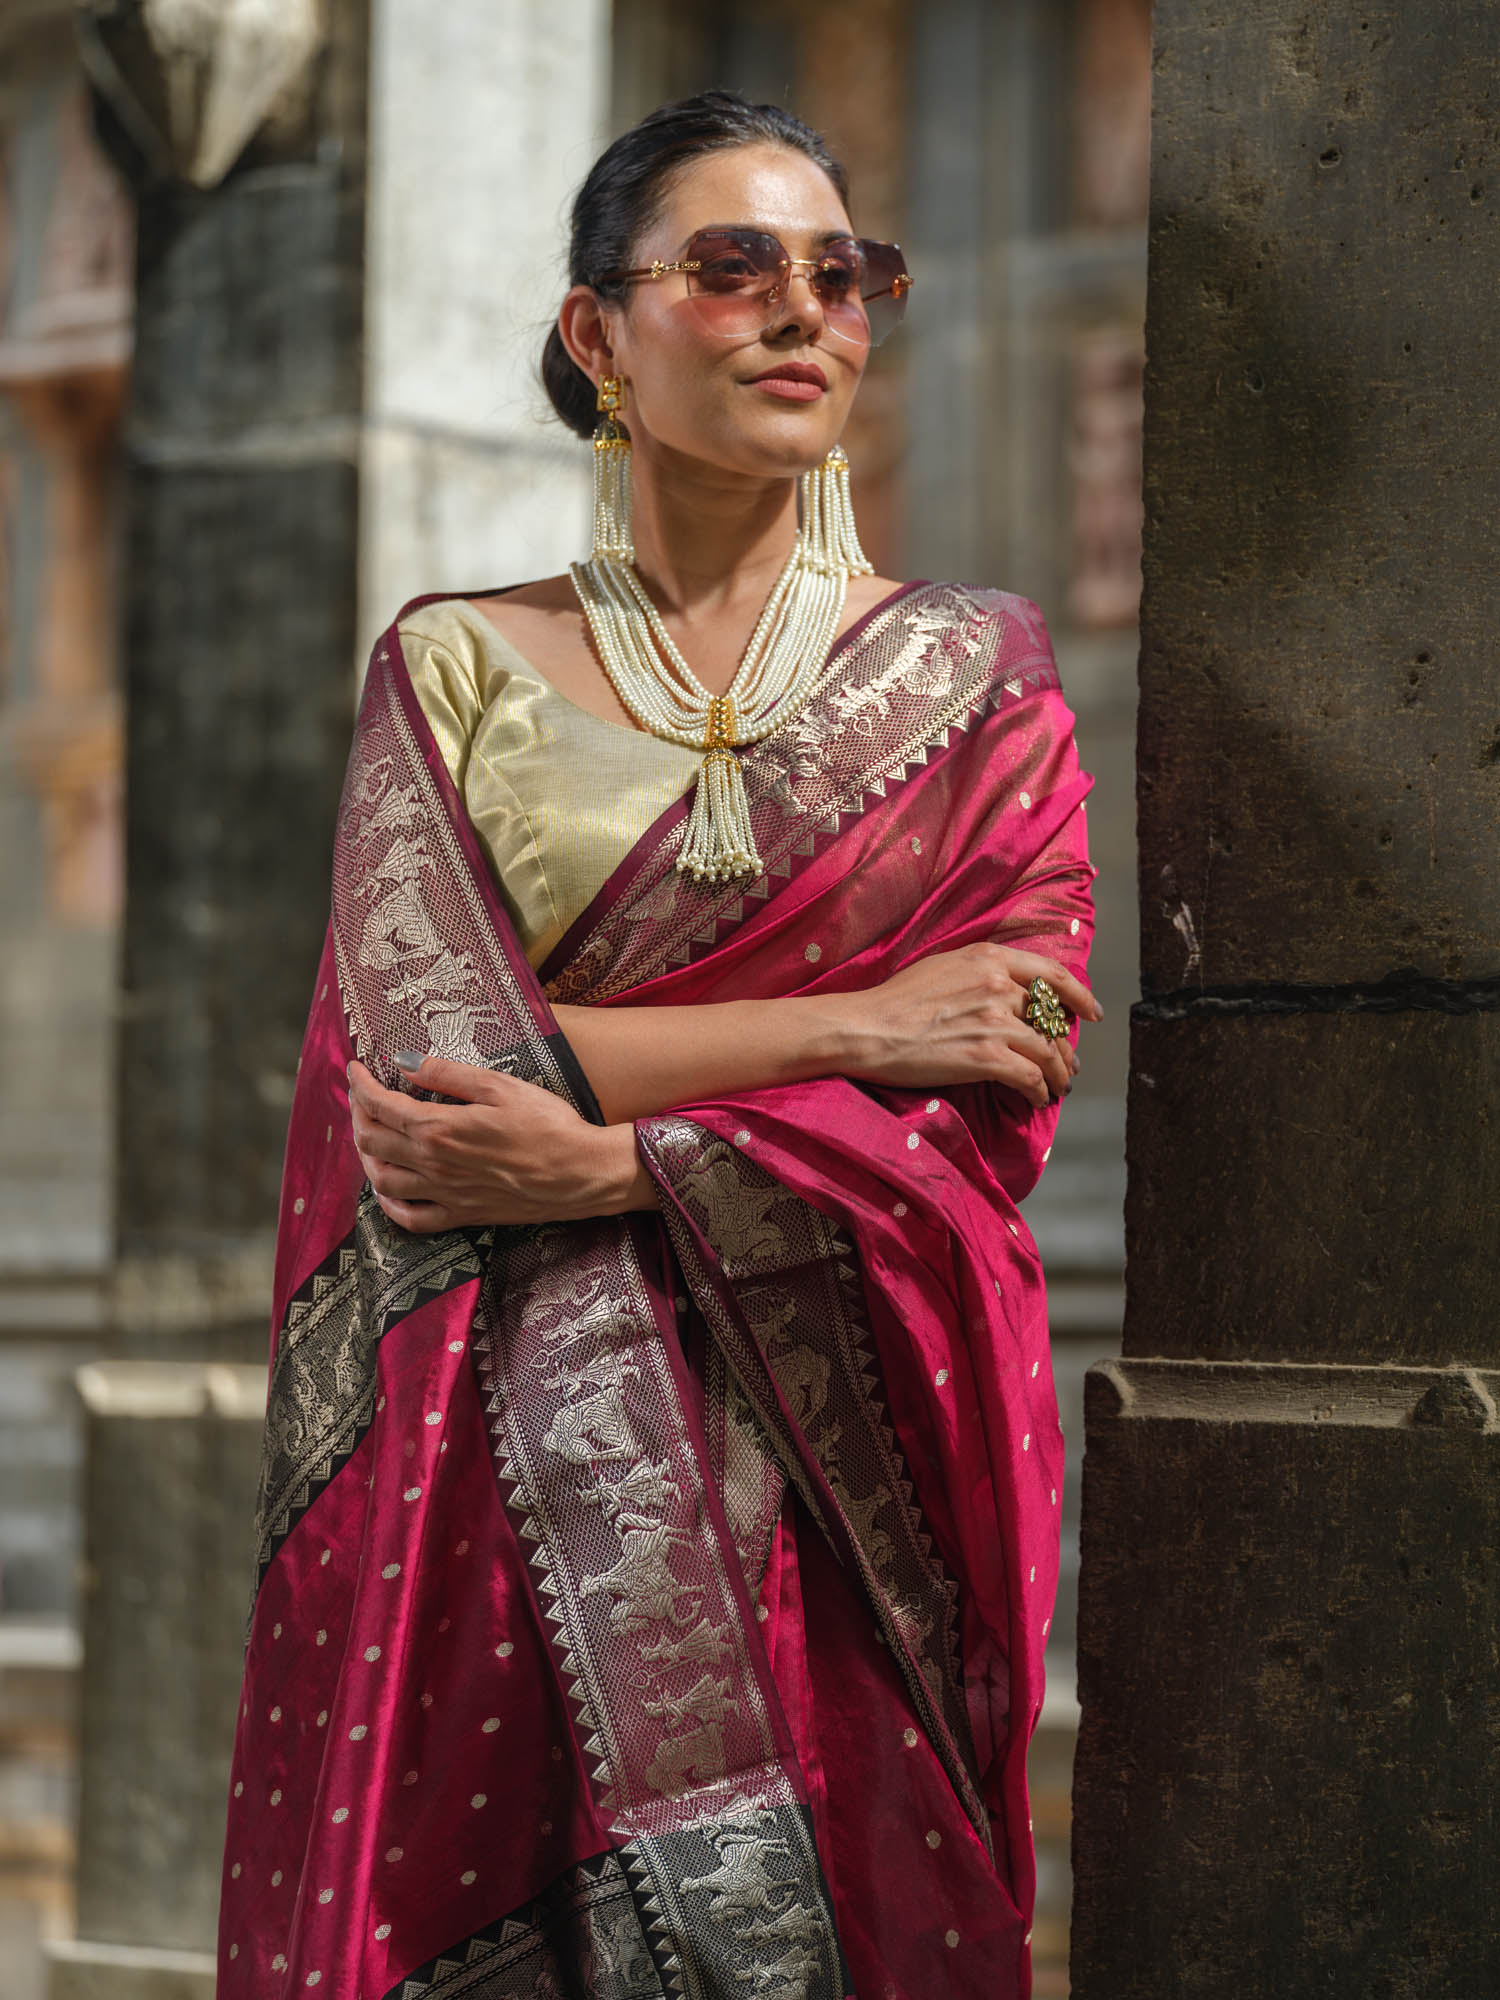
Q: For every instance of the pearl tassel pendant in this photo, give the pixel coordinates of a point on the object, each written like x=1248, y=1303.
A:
x=782, y=663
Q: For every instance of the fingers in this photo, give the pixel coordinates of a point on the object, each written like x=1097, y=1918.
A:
x=1069, y=988
x=466, y=1082
x=372, y=1102
x=422, y=1218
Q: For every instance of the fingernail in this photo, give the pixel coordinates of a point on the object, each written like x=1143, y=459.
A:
x=406, y=1060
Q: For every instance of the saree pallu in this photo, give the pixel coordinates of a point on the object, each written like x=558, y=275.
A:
x=655, y=1605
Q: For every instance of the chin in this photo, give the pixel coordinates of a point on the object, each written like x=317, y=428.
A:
x=787, y=445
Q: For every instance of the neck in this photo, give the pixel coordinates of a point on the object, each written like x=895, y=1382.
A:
x=705, y=539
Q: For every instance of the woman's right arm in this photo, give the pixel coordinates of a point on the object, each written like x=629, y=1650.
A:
x=949, y=1019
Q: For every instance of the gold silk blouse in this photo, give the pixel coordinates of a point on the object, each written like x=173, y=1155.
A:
x=558, y=797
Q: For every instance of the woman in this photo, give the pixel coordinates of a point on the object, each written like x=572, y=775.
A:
x=658, y=1528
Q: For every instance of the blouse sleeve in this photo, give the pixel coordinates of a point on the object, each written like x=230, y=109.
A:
x=445, y=679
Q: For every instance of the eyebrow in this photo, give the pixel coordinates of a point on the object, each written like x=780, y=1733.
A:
x=826, y=236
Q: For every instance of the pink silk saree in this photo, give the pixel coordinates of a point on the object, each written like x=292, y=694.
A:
x=656, y=1606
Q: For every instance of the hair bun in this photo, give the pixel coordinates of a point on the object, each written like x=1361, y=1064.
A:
x=569, y=390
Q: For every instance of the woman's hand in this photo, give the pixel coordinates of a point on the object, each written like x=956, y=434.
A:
x=958, y=1017
x=505, y=1151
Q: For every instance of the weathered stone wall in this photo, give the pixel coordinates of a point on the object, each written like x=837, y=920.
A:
x=1289, y=1620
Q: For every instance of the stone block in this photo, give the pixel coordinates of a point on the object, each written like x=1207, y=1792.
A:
x=239, y=643
x=173, y=1458
x=1319, y=775
x=1288, y=1761
x=1314, y=1185
x=82, y=1971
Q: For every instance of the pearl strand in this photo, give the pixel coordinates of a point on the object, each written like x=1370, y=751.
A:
x=778, y=672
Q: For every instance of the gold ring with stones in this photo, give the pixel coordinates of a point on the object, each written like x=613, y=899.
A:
x=1045, y=1012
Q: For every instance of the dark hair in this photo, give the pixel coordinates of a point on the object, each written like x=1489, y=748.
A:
x=623, y=194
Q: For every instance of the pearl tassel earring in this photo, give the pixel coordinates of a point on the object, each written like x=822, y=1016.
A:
x=782, y=663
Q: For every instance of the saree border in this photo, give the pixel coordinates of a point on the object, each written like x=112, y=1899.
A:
x=877, y=1533
x=321, y=1399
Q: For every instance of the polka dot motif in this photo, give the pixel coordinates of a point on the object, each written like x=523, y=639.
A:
x=934, y=1838
x=950, y=1938
x=912, y=1142
x=325, y=1895
x=468, y=1877
x=390, y=1570
x=504, y=1650
x=298, y=1205
x=359, y=1732
x=909, y=1738
x=1026, y=802
x=455, y=1347
x=340, y=1814
x=412, y=1493
x=479, y=1799
x=812, y=953
x=276, y=1881
x=941, y=1377
x=899, y=1209
x=372, y=1654
x=934, y=1103
x=234, y=1872
x=382, y=1932
x=433, y=1417
x=393, y=1854
x=742, y=1138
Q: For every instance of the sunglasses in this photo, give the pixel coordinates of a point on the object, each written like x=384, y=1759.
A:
x=739, y=279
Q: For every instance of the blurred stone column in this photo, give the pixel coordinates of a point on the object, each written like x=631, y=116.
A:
x=1290, y=1605
x=328, y=411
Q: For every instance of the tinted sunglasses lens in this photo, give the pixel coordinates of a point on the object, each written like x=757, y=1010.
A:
x=733, y=263
x=884, y=287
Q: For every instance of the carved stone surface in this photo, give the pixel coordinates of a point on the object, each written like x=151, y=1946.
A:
x=173, y=1456
x=1288, y=1622
x=1287, y=1767
x=1315, y=1185
x=1320, y=743
x=240, y=591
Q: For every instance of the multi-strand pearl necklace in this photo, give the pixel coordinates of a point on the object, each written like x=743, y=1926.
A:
x=776, y=677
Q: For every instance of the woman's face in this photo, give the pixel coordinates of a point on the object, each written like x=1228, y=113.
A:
x=693, y=390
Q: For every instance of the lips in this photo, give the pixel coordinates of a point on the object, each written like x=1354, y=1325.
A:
x=806, y=375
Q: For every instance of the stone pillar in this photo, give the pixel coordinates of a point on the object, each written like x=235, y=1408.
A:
x=329, y=413
x=173, y=1452
x=1290, y=1605
x=484, y=118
